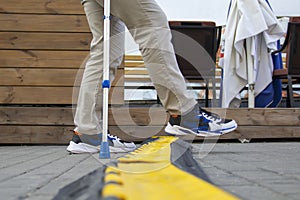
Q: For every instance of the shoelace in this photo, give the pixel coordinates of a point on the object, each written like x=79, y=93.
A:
x=113, y=137
x=210, y=115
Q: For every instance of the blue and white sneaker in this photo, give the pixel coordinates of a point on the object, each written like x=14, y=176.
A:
x=81, y=143
x=199, y=122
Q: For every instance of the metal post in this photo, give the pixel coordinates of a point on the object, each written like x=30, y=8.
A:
x=250, y=69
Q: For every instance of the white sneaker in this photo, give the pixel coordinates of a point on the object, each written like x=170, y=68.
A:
x=199, y=122
x=91, y=144
x=82, y=148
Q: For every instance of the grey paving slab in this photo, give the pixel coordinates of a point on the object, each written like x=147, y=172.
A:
x=254, y=170
x=249, y=170
x=228, y=180
x=251, y=192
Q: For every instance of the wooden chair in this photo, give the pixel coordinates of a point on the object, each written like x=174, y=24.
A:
x=292, y=71
x=196, y=44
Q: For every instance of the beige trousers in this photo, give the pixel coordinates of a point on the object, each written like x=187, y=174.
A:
x=149, y=27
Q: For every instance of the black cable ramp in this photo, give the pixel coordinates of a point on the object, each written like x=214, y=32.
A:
x=162, y=168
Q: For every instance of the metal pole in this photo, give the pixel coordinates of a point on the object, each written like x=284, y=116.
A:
x=250, y=69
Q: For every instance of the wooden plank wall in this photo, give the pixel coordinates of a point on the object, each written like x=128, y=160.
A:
x=52, y=125
x=43, y=46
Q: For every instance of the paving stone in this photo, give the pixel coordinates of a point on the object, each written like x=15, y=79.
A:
x=250, y=170
x=294, y=196
x=257, y=175
x=228, y=179
x=284, y=188
x=254, y=192
x=80, y=169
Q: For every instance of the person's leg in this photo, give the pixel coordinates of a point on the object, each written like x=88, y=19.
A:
x=150, y=29
x=89, y=105
x=88, y=114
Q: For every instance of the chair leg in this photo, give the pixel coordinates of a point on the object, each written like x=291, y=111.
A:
x=214, y=92
x=290, y=98
x=206, y=92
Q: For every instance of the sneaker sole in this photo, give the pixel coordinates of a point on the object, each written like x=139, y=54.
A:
x=181, y=131
x=233, y=125
x=82, y=148
x=86, y=148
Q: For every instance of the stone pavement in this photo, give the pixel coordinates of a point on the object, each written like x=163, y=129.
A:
x=254, y=170
x=250, y=170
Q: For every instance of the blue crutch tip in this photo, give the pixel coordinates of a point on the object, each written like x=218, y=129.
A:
x=104, y=151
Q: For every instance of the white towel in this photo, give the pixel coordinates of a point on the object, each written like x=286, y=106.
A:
x=251, y=20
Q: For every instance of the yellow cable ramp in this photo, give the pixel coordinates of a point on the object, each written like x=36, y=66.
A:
x=148, y=174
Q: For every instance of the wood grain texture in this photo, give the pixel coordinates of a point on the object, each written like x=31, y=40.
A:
x=39, y=124
x=11, y=134
x=43, y=58
x=43, y=23
x=49, y=95
x=146, y=115
x=35, y=134
x=42, y=6
x=45, y=41
x=118, y=116
x=48, y=77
